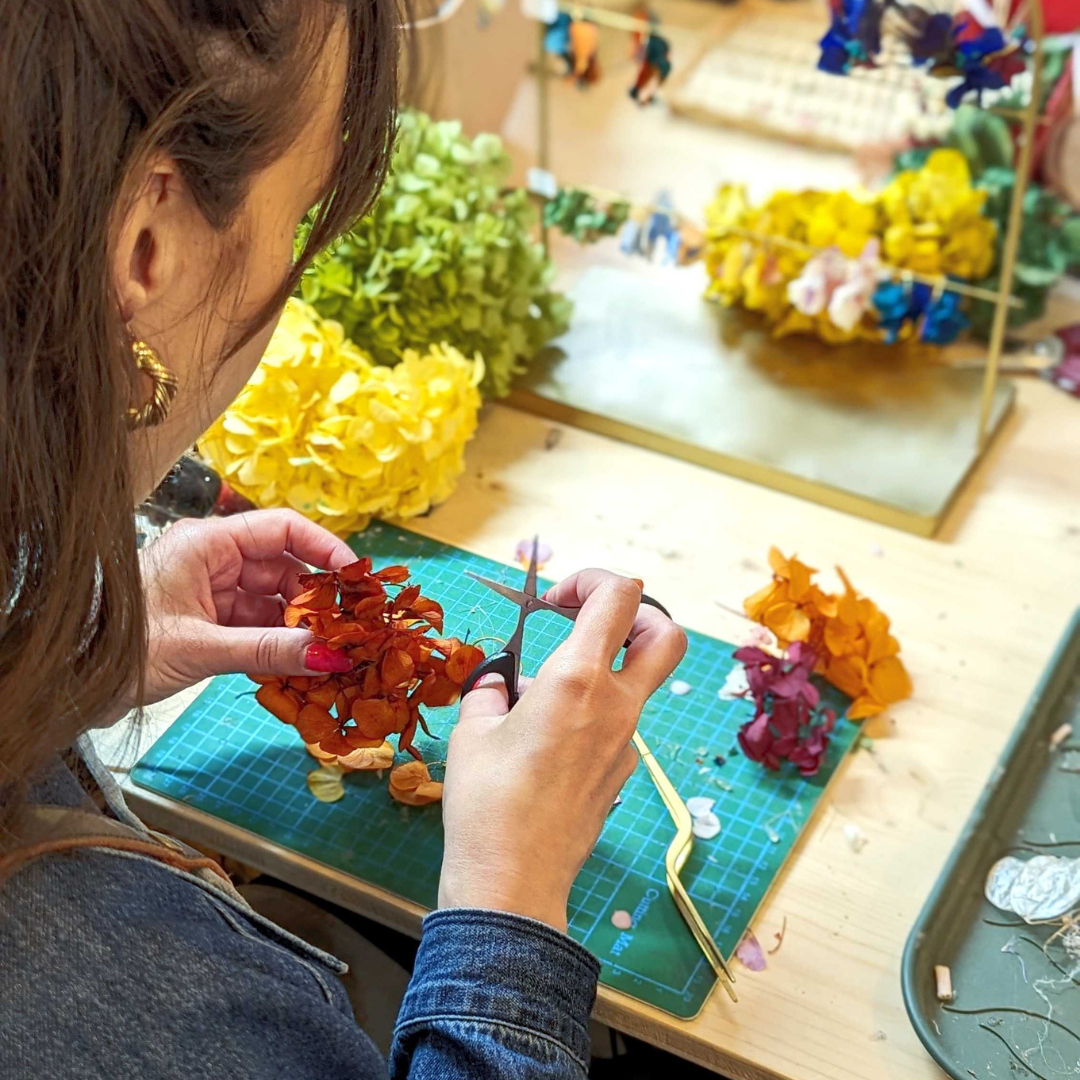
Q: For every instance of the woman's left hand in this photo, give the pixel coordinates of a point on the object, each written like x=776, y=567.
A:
x=216, y=592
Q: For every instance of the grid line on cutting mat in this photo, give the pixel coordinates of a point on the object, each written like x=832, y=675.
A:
x=227, y=757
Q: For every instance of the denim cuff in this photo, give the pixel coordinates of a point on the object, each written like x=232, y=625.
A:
x=503, y=969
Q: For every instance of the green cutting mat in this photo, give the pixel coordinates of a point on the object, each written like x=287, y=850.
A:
x=227, y=757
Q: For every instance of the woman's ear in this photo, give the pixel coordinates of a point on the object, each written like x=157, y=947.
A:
x=145, y=256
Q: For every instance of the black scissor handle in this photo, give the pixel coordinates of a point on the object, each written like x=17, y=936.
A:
x=505, y=664
x=501, y=663
x=656, y=604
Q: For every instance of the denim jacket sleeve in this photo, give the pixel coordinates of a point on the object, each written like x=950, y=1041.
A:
x=495, y=995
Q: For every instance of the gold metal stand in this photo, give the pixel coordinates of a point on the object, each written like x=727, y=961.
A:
x=967, y=412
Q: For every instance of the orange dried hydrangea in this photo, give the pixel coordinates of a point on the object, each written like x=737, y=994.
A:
x=850, y=634
x=791, y=605
x=396, y=667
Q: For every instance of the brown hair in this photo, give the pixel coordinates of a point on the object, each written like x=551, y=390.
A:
x=88, y=89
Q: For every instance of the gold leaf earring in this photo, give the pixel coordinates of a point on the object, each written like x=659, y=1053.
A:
x=165, y=386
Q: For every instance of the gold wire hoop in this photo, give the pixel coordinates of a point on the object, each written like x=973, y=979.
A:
x=165, y=386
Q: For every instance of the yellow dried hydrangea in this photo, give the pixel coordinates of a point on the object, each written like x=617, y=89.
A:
x=324, y=430
x=757, y=276
x=936, y=222
x=930, y=220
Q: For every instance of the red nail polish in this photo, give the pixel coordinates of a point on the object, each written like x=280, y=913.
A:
x=320, y=657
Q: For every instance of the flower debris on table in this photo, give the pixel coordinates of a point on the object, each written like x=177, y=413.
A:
x=382, y=668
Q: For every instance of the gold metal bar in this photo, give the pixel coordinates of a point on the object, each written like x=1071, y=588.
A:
x=543, y=133
x=1016, y=221
x=675, y=859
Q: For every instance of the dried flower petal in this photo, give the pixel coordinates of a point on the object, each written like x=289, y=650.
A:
x=325, y=783
x=368, y=758
x=706, y=826
x=750, y=953
x=412, y=784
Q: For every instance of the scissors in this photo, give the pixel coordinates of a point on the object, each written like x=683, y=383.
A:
x=507, y=662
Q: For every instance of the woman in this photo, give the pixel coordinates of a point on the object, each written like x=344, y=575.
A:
x=155, y=158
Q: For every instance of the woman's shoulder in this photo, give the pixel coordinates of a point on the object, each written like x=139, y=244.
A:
x=118, y=965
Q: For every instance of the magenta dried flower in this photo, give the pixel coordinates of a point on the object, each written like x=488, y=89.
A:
x=788, y=724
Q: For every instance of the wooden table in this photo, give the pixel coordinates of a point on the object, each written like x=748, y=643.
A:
x=977, y=612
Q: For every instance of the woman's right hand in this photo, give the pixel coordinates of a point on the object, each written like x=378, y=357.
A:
x=527, y=790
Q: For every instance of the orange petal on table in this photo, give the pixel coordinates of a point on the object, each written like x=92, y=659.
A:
x=368, y=757
x=395, y=668
x=317, y=598
x=299, y=682
x=409, y=776
x=864, y=706
x=848, y=674
x=889, y=680
x=279, y=702
x=265, y=680
x=319, y=754
x=462, y=662
x=314, y=724
x=422, y=795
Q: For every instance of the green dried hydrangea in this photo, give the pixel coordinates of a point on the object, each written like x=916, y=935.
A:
x=445, y=256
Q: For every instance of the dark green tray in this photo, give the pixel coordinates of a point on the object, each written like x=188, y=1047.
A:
x=1003, y=980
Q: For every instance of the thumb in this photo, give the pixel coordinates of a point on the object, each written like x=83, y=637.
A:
x=260, y=650
x=484, y=701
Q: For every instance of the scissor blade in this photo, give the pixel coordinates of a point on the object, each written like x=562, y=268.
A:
x=530, y=577
x=514, y=595
x=523, y=599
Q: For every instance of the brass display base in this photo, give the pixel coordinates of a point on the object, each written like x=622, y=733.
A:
x=883, y=432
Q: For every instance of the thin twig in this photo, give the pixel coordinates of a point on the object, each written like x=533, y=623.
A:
x=779, y=937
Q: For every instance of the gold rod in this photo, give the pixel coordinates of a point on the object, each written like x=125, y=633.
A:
x=1013, y=229
x=674, y=860
x=543, y=134
x=937, y=281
